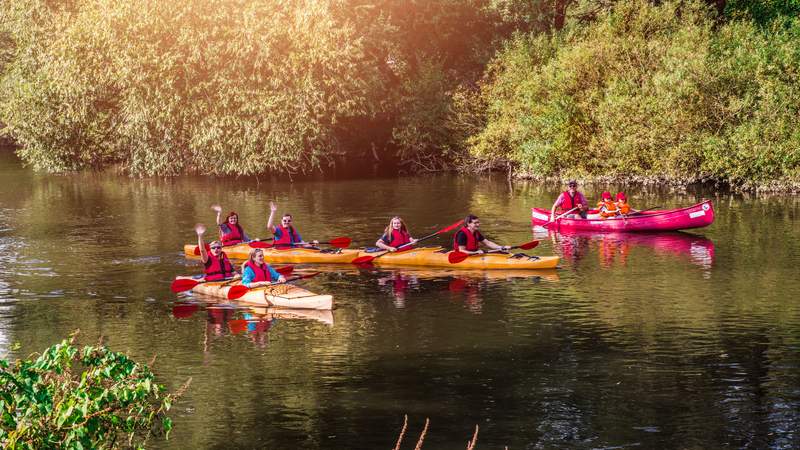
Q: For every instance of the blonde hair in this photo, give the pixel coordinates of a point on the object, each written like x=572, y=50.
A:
x=388, y=230
x=252, y=256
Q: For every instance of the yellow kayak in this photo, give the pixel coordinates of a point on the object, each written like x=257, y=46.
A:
x=425, y=256
x=276, y=296
x=289, y=255
x=433, y=257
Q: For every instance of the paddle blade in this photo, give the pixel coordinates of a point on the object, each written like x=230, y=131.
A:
x=196, y=250
x=183, y=284
x=451, y=227
x=456, y=257
x=259, y=244
x=529, y=245
x=285, y=270
x=366, y=259
x=238, y=326
x=237, y=291
x=341, y=242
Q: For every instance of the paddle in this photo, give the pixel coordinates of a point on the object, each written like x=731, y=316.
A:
x=560, y=216
x=240, y=289
x=368, y=259
x=185, y=284
x=252, y=244
x=644, y=210
x=339, y=242
x=457, y=256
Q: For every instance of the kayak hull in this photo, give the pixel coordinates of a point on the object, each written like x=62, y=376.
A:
x=276, y=296
x=423, y=257
x=432, y=257
x=290, y=255
x=695, y=216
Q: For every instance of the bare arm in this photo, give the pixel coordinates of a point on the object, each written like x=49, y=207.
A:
x=553, y=209
x=379, y=243
x=494, y=246
x=272, y=208
x=200, y=229
x=218, y=209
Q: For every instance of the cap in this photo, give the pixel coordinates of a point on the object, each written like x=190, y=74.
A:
x=572, y=183
x=621, y=196
x=606, y=195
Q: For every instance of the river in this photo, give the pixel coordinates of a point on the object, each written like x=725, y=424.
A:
x=680, y=340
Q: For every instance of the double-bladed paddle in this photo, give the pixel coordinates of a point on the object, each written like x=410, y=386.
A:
x=368, y=259
x=456, y=257
x=239, y=290
x=256, y=243
x=339, y=242
x=185, y=284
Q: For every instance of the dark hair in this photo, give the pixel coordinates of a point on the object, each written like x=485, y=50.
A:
x=469, y=219
x=232, y=213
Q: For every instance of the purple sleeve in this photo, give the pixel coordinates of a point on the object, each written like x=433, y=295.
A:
x=582, y=199
x=560, y=199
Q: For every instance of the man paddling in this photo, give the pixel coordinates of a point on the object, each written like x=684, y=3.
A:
x=569, y=200
x=468, y=238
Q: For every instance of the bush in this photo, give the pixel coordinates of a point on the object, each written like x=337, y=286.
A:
x=84, y=398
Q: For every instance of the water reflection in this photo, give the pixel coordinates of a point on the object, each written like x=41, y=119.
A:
x=613, y=249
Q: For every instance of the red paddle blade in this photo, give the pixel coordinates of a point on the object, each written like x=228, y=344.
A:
x=260, y=244
x=285, y=270
x=366, y=259
x=238, y=326
x=237, y=291
x=197, y=249
x=456, y=257
x=529, y=245
x=341, y=242
x=451, y=227
x=183, y=284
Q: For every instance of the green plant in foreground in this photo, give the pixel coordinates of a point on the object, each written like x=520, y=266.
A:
x=81, y=398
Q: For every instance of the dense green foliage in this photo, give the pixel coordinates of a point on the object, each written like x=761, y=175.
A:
x=682, y=89
x=656, y=91
x=87, y=398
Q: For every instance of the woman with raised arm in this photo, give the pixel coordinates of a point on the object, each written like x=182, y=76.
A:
x=230, y=231
x=285, y=235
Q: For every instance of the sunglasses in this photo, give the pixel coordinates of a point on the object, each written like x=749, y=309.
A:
x=216, y=247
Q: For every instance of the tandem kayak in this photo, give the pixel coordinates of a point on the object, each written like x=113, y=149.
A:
x=695, y=216
x=425, y=256
x=286, y=255
x=275, y=296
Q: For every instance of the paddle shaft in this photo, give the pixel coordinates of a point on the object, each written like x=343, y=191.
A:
x=559, y=217
x=443, y=230
x=644, y=210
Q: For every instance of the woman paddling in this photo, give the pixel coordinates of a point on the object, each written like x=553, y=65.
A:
x=285, y=235
x=230, y=231
x=256, y=273
x=395, y=235
x=468, y=238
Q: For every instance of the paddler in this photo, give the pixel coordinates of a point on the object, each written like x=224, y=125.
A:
x=569, y=200
x=285, y=235
x=230, y=231
x=216, y=264
x=622, y=204
x=606, y=207
x=395, y=235
x=255, y=272
x=468, y=238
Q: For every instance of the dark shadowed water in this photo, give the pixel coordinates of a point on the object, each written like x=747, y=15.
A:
x=682, y=340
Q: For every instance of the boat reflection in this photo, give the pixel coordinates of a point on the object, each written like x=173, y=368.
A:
x=614, y=248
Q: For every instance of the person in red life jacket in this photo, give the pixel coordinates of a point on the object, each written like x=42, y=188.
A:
x=230, y=231
x=606, y=206
x=622, y=204
x=285, y=235
x=255, y=272
x=468, y=238
x=568, y=200
x=216, y=264
x=395, y=235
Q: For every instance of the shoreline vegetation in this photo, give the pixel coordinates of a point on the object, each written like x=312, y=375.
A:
x=671, y=93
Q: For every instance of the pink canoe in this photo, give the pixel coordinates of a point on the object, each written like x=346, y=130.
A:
x=695, y=216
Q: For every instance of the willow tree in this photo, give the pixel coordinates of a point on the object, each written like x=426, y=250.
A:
x=161, y=87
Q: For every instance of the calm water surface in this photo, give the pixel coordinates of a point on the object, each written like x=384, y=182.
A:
x=674, y=340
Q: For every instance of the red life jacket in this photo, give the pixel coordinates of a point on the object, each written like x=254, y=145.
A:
x=262, y=272
x=230, y=235
x=218, y=268
x=398, y=238
x=472, y=240
x=288, y=236
x=568, y=202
